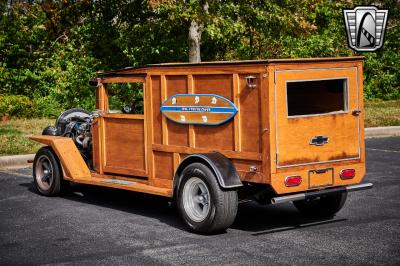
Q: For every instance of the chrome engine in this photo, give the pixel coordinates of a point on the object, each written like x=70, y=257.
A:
x=76, y=124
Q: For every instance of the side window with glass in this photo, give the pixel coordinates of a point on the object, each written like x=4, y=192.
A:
x=125, y=98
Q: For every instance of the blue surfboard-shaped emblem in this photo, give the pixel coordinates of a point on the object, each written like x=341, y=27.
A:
x=198, y=109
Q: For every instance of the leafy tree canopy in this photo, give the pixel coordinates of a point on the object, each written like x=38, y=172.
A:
x=49, y=49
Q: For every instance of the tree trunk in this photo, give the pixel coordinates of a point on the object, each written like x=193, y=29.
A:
x=194, y=38
x=194, y=42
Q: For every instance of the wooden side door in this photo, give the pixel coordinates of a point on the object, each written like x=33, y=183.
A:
x=124, y=144
x=119, y=139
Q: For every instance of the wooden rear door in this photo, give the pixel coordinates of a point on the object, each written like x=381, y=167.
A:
x=317, y=118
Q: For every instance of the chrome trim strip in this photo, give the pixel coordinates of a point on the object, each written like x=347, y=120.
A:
x=283, y=199
x=359, y=187
x=331, y=161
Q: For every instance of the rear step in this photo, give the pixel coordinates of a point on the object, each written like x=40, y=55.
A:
x=124, y=184
x=313, y=194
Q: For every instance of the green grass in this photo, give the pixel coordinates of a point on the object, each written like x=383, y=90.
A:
x=15, y=132
x=382, y=113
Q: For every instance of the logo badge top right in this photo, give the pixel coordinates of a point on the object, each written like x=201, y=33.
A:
x=365, y=27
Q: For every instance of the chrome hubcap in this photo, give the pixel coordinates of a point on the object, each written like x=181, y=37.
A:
x=196, y=199
x=44, y=172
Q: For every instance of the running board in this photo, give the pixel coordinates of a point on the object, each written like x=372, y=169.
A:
x=313, y=194
x=126, y=185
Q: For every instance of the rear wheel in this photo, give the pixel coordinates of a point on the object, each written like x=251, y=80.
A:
x=47, y=173
x=324, y=206
x=203, y=205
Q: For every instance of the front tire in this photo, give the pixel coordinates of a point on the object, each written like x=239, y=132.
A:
x=203, y=205
x=321, y=207
x=47, y=173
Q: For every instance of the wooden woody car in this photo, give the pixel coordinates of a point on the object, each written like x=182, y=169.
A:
x=214, y=133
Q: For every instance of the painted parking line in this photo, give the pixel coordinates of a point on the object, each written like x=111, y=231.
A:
x=370, y=149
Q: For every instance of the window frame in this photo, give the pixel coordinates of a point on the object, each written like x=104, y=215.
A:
x=345, y=98
x=116, y=112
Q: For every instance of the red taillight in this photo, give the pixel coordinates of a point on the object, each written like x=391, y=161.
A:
x=347, y=173
x=291, y=181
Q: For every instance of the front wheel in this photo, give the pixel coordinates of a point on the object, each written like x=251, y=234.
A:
x=203, y=205
x=324, y=206
x=47, y=173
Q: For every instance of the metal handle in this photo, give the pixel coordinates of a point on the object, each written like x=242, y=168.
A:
x=356, y=112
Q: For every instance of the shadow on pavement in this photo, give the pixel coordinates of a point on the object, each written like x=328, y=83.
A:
x=252, y=217
x=267, y=219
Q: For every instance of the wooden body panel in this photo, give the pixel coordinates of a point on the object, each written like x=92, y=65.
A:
x=259, y=130
x=71, y=160
x=294, y=133
x=124, y=145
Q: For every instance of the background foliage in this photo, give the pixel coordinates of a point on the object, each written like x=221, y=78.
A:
x=50, y=49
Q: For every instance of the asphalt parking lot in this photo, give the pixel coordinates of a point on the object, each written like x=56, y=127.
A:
x=96, y=226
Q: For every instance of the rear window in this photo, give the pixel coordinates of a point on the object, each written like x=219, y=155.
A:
x=313, y=97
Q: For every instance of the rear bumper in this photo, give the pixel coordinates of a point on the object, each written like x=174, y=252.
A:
x=313, y=194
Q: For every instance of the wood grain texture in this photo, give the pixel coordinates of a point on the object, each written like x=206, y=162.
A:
x=123, y=79
x=177, y=134
x=149, y=122
x=102, y=145
x=164, y=119
x=190, y=150
x=138, y=187
x=124, y=146
x=71, y=160
x=248, y=140
x=294, y=134
x=217, y=137
x=250, y=114
x=96, y=144
x=192, y=133
x=164, y=165
x=243, y=168
x=177, y=161
x=102, y=97
x=237, y=119
x=266, y=117
x=124, y=116
x=156, y=103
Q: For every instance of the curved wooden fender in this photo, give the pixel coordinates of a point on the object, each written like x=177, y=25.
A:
x=71, y=160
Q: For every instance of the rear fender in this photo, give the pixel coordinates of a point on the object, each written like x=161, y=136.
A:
x=223, y=168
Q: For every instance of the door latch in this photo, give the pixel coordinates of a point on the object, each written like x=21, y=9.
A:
x=356, y=112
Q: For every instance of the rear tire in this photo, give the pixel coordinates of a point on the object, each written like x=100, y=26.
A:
x=202, y=204
x=47, y=173
x=324, y=206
